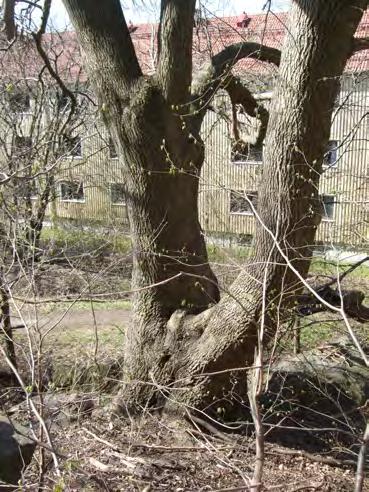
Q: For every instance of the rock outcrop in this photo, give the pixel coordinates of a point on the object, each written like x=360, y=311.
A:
x=16, y=451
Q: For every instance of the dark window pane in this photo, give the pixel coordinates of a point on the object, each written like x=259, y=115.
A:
x=26, y=188
x=117, y=193
x=112, y=151
x=71, y=146
x=240, y=202
x=22, y=146
x=20, y=102
x=330, y=157
x=71, y=190
x=328, y=202
x=62, y=101
x=247, y=153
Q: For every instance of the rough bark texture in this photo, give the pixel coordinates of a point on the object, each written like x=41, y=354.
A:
x=162, y=156
x=316, y=49
x=162, y=152
x=8, y=19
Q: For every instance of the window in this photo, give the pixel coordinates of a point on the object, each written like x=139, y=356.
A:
x=71, y=146
x=26, y=188
x=22, y=146
x=246, y=153
x=72, y=191
x=20, y=102
x=117, y=194
x=112, y=150
x=328, y=202
x=62, y=101
x=330, y=156
x=240, y=202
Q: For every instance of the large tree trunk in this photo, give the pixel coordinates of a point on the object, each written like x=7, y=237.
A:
x=163, y=163
x=162, y=154
x=162, y=159
x=317, y=46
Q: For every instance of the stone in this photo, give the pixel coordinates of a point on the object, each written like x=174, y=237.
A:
x=16, y=451
x=324, y=389
x=61, y=409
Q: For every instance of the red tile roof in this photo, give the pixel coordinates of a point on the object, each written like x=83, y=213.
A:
x=268, y=29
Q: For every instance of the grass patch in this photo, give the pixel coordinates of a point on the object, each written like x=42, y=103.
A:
x=86, y=306
x=75, y=241
x=319, y=266
x=220, y=254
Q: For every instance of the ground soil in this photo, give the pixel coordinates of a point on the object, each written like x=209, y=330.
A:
x=159, y=454
x=154, y=453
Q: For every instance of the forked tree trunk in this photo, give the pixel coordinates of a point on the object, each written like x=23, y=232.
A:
x=163, y=154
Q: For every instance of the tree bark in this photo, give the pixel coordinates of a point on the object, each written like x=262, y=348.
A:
x=7, y=329
x=162, y=153
x=317, y=46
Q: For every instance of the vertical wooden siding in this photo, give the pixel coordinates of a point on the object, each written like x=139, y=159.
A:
x=348, y=180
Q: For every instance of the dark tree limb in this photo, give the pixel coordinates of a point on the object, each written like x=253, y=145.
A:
x=350, y=300
x=233, y=53
x=217, y=73
x=240, y=94
x=360, y=44
x=37, y=37
x=175, y=49
x=9, y=20
x=104, y=33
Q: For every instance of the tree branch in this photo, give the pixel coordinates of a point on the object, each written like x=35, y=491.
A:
x=38, y=41
x=8, y=19
x=106, y=40
x=240, y=94
x=360, y=44
x=350, y=300
x=230, y=55
x=175, y=49
x=215, y=74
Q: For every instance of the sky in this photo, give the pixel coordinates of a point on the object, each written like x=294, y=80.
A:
x=146, y=13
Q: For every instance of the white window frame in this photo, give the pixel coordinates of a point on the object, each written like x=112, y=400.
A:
x=248, y=162
x=333, y=218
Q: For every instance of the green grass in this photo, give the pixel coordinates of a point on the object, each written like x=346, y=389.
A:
x=319, y=266
x=86, y=306
x=75, y=240
x=110, y=338
x=220, y=254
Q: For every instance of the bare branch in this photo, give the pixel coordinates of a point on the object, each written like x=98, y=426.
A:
x=230, y=55
x=215, y=74
x=240, y=94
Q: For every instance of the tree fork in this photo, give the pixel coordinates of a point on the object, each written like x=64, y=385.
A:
x=163, y=155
